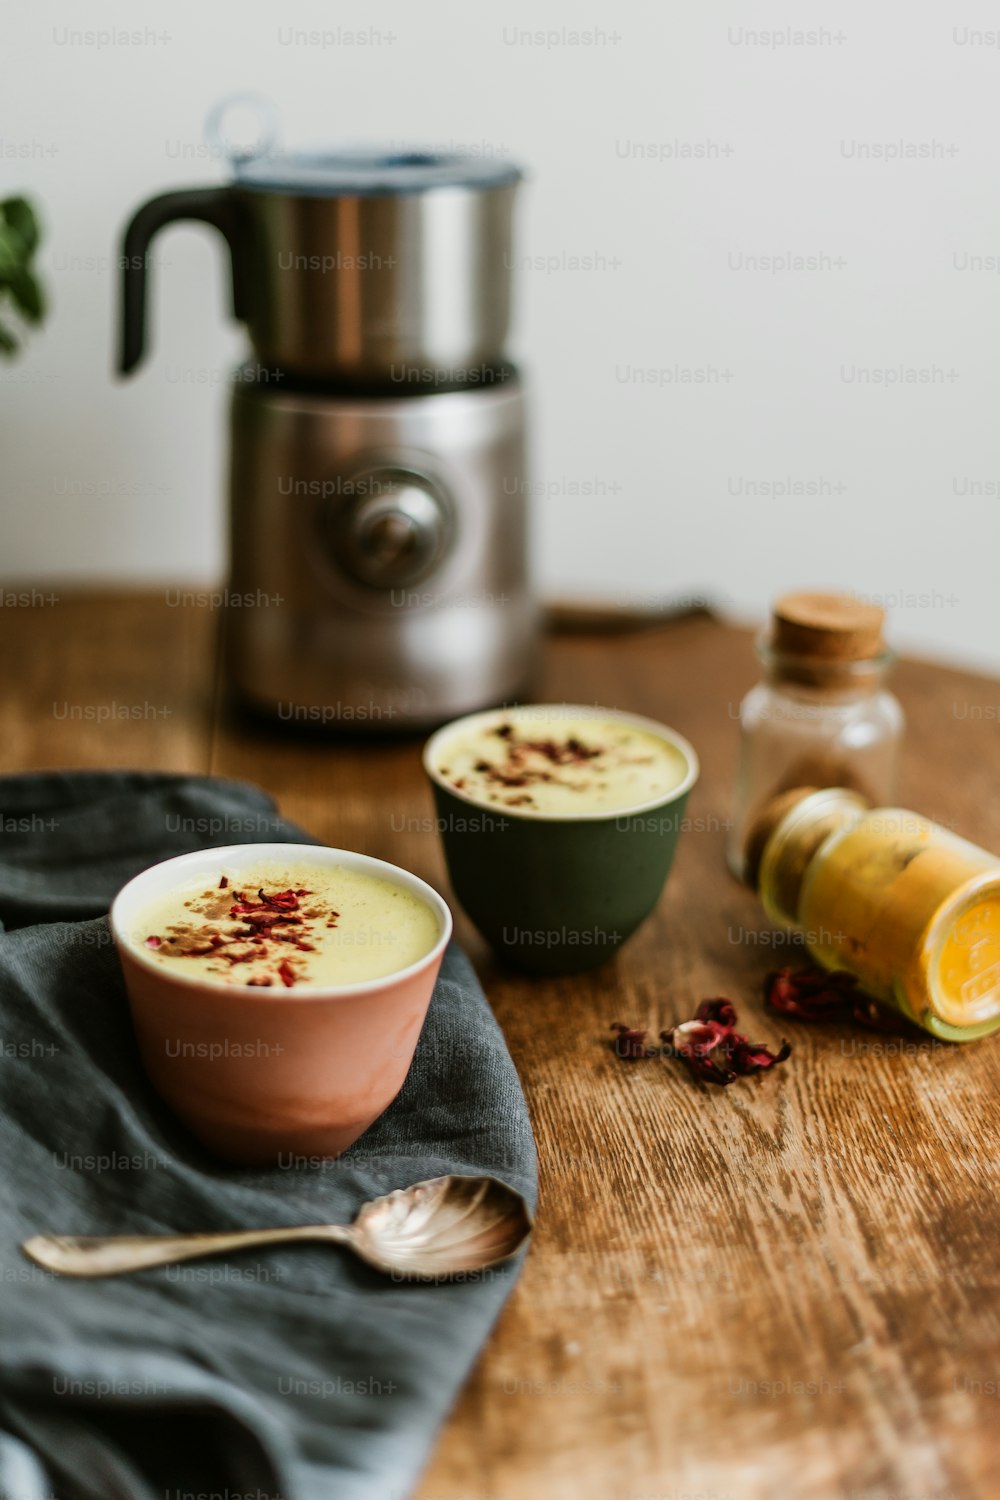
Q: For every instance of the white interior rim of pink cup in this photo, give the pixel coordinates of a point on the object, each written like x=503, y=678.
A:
x=160, y=879
x=568, y=711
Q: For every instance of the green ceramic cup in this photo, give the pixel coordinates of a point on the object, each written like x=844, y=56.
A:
x=557, y=894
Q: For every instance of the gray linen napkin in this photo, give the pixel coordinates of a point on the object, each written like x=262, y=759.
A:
x=295, y=1373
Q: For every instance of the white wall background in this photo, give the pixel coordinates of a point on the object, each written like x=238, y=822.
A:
x=103, y=480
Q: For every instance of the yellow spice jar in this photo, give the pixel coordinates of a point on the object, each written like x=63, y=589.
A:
x=909, y=908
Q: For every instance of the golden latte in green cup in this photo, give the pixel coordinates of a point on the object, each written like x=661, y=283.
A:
x=559, y=825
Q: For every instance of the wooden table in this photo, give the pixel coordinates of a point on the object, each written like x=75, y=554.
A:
x=782, y=1289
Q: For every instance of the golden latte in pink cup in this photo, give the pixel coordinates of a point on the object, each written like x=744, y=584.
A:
x=278, y=990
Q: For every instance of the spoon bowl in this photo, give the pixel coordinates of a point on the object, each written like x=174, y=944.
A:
x=441, y=1228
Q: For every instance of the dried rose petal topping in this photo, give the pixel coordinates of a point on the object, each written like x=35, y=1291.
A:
x=630, y=1044
x=264, y=928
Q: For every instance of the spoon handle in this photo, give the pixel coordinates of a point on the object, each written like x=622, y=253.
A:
x=111, y=1255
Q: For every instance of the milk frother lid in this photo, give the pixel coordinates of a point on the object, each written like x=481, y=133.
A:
x=367, y=171
x=244, y=128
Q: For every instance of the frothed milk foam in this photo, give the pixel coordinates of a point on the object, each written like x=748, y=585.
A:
x=556, y=764
x=294, y=925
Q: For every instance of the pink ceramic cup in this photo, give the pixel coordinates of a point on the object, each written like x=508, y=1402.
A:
x=262, y=1076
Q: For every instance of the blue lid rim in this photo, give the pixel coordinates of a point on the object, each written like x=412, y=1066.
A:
x=373, y=174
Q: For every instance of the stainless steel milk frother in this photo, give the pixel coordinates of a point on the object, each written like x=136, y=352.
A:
x=378, y=497
x=351, y=266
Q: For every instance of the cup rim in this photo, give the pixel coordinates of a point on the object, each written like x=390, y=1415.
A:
x=251, y=853
x=584, y=710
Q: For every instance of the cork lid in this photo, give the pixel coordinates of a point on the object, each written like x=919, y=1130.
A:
x=829, y=627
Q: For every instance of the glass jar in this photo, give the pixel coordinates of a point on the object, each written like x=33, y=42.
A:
x=822, y=716
x=909, y=908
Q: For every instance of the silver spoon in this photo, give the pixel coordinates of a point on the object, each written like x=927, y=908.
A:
x=444, y=1227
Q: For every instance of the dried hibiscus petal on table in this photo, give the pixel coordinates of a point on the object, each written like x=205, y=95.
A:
x=720, y=1011
x=631, y=1044
x=708, y=1044
x=714, y=1050
x=694, y=1042
x=816, y=995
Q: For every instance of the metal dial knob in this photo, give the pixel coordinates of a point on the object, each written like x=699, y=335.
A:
x=393, y=531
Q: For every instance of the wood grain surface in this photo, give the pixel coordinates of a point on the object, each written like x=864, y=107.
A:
x=787, y=1288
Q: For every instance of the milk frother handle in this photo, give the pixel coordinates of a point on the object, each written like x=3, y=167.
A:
x=216, y=206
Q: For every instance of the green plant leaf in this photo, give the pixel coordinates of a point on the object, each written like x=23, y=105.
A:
x=10, y=252
x=19, y=238
x=20, y=215
x=27, y=294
